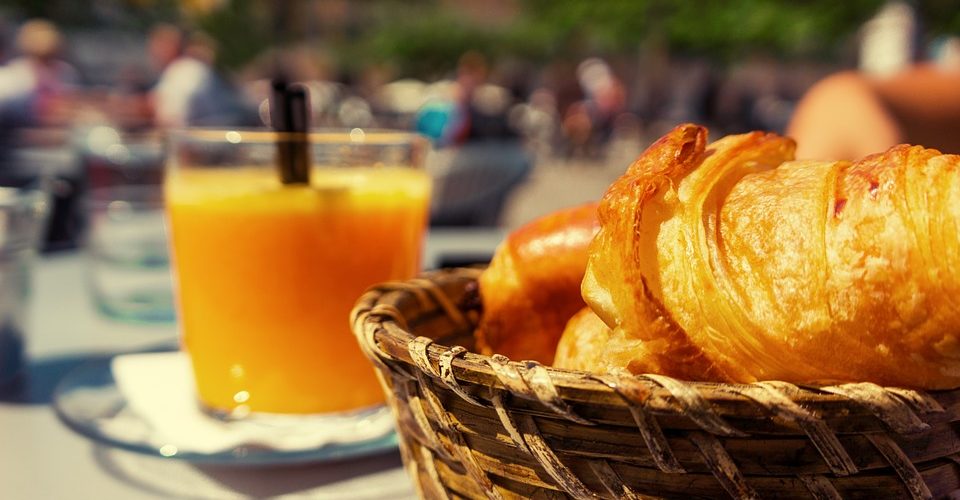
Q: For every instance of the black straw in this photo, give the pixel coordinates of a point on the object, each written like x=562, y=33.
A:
x=290, y=118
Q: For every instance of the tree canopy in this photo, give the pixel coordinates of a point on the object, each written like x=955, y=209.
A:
x=423, y=36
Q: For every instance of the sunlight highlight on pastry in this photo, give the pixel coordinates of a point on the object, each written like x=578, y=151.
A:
x=731, y=262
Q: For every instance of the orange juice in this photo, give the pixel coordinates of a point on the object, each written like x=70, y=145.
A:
x=267, y=275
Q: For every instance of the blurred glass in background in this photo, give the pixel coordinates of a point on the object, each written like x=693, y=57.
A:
x=22, y=213
x=128, y=267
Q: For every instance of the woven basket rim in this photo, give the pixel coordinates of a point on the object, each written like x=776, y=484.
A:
x=391, y=340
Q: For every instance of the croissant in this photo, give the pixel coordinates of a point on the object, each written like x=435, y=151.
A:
x=532, y=286
x=733, y=263
x=587, y=345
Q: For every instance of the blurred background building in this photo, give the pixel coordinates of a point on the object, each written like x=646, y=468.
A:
x=532, y=104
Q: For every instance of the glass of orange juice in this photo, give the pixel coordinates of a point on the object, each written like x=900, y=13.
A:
x=266, y=273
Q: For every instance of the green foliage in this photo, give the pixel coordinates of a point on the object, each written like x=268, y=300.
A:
x=425, y=37
x=424, y=45
x=599, y=26
x=240, y=30
x=940, y=16
x=727, y=28
x=718, y=28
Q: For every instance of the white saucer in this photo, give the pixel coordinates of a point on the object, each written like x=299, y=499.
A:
x=89, y=401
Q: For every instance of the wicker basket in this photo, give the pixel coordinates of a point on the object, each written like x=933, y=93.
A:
x=486, y=427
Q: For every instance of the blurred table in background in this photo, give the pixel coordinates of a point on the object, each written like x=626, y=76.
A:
x=41, y=458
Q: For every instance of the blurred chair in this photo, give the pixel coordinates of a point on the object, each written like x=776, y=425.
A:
x=473, y=181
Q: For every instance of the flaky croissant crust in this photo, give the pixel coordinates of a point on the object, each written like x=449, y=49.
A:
x=733, y=263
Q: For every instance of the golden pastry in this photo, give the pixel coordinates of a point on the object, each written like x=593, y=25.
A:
x=532, y=286
x=733, y=263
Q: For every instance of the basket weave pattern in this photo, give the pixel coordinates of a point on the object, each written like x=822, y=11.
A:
x=486, y=427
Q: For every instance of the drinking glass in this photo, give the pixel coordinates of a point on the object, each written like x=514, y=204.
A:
x=267, y=273
x=22, y=217
x=129, y=266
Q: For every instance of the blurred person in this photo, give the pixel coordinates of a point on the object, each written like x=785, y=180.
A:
x=587, y=124
x=743, y=89
x=189, y=91
x=439, y=114
x=128, y=103
x=488, y=160
x=472, y=72
x=481, y=106
x=487, y=113
x=560, y=77
x=35, y=87
x=605, y=95
x=889, y=39
x=433, y=120
x=577, y=127
x=181, y=77
x=849, y=115
x=466, y=109
x=538, y=121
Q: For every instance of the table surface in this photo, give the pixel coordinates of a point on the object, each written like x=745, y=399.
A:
x=40, y=458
